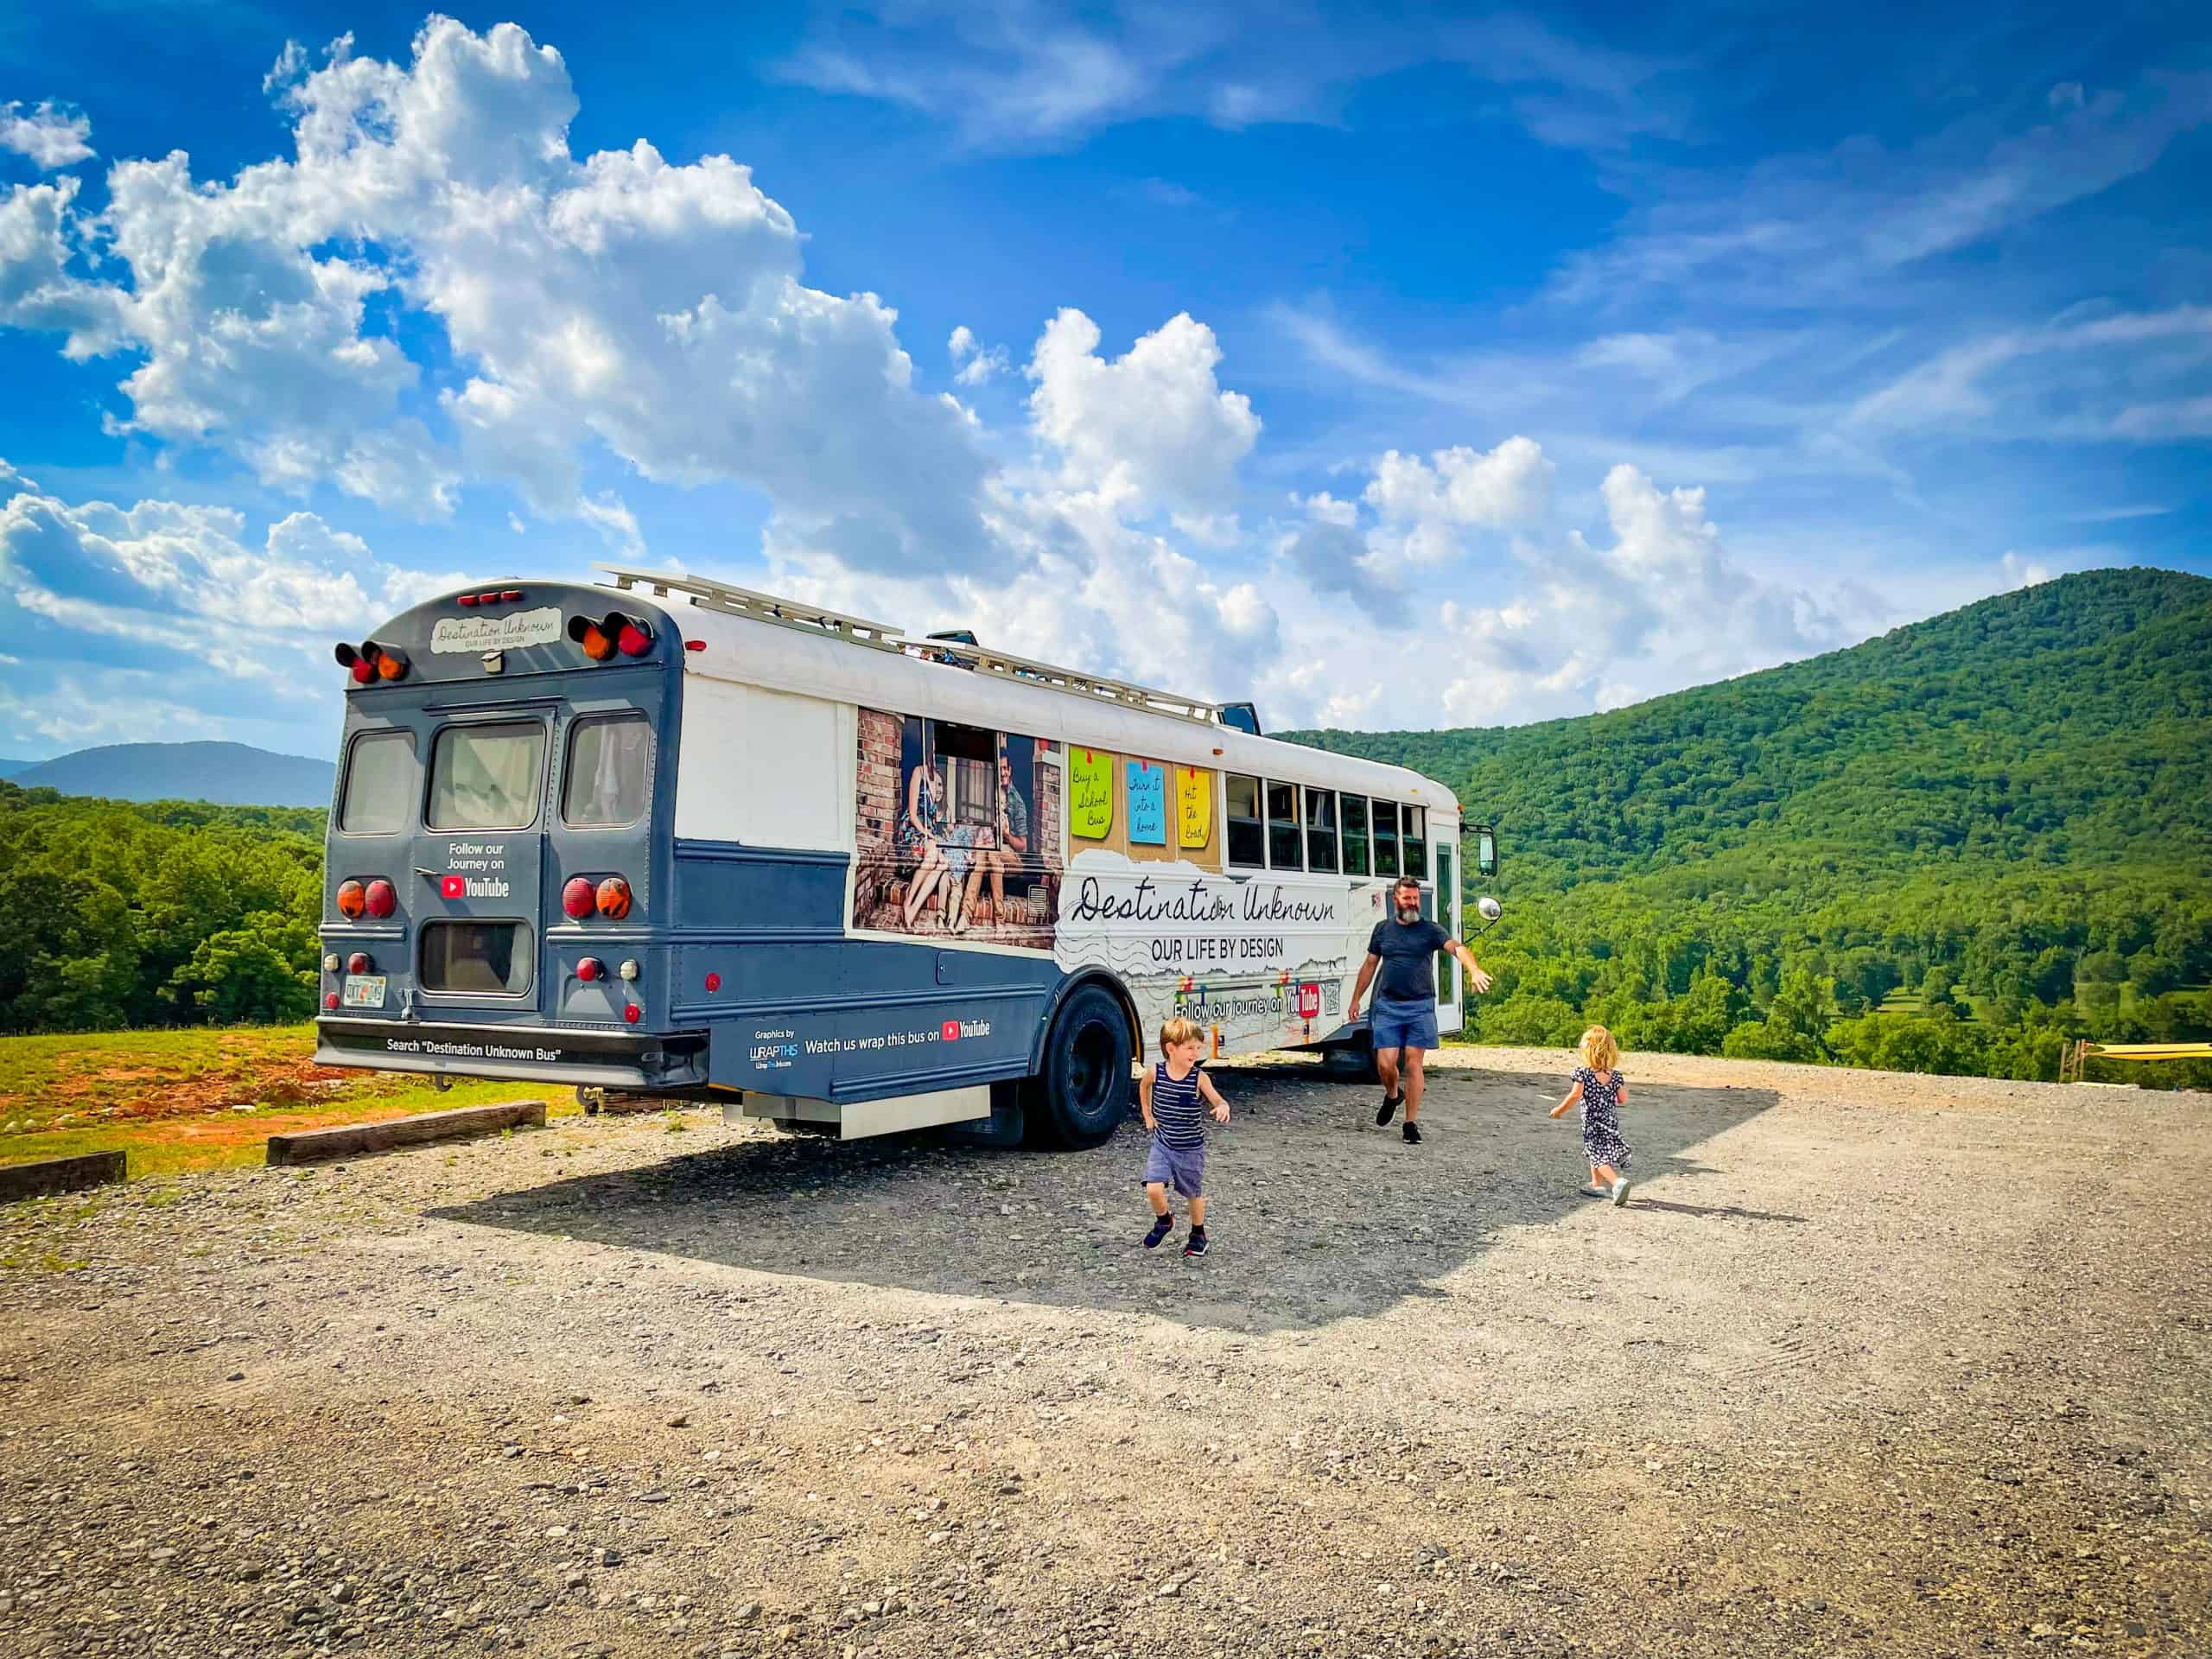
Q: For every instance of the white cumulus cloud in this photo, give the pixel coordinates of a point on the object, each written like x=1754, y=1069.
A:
x=51, y=137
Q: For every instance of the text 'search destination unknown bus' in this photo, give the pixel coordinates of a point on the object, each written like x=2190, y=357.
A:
x=670, y=837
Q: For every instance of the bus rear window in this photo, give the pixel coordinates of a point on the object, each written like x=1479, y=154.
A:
x=610, y=772
x=480, y=958
x=379, y=784
x=486, y=777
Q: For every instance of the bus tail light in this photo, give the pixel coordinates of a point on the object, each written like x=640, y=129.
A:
x=629, y=1012
x=360, y=963
x=593, y=638
x=589, y=969
x=382, y=898
x=329, y=1000
x=370, y=662
x=352, y=900
x=613, y=897
x=603, y=638
x=577, y=898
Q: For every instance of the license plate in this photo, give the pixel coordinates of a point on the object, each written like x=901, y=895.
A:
x=365, y=991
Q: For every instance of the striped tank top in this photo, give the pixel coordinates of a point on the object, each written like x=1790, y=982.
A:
x=1177, y=1108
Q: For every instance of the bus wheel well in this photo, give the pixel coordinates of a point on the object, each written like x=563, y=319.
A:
x=1068, y=989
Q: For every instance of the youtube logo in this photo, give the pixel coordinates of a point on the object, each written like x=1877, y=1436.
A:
x=950, y=1031
x=451, y=887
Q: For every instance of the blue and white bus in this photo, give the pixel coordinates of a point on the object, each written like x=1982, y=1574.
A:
x=669, y=836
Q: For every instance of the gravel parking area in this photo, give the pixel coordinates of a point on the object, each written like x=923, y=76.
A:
x=1867, y=1364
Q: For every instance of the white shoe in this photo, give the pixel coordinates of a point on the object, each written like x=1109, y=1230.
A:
x=1620, y=1190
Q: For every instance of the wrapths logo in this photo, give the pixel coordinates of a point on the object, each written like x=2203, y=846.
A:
x=463, y=886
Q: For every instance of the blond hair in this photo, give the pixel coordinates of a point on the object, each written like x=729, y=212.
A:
x=1599, y=1052
x=1180, y=1030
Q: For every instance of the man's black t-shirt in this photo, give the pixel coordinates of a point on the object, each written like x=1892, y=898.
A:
x=1408, y=949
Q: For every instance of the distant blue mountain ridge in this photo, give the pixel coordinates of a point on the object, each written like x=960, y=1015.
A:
x=228, y=774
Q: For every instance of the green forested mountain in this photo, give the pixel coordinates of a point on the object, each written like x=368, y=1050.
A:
x=119, y=914
x=1995, y=819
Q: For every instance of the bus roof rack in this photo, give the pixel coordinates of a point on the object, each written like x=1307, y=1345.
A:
x=1055, y=678
x=712, y=595
x=883, y=636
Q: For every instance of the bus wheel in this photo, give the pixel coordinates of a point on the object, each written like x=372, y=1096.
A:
x=1352, y=1062
x=1082, y=1092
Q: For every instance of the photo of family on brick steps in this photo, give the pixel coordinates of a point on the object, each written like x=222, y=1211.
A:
x=958, y=831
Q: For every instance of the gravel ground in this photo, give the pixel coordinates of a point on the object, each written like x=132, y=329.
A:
x=1867, y=1364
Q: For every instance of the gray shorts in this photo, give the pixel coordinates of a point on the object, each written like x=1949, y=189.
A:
x=1183, y=1168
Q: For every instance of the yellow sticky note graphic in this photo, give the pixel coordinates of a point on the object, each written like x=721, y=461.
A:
x=1091, y=794
x=1193, y=806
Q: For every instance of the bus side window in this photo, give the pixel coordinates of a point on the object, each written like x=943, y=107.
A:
x=969, y=756
x=1247, y=843
x=1321, y=829
x=1284, y=852
x=1416, y=841
x=1386, y=837
x=1355, y=811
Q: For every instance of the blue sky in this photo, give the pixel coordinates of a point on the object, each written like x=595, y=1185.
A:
x=1422, y=367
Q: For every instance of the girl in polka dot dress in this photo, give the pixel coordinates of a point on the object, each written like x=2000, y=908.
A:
x=1599, y=1087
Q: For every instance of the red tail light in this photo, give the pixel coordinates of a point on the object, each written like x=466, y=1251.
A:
x=329, y=1000
x=577, y=898
x=632, y=639
x=383, y=899
x=589, y=969
x=630, y=1013
x=613, y=897
x=358, y=963
x=352, y=900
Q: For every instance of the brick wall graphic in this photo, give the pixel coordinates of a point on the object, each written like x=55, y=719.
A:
x=946, y=875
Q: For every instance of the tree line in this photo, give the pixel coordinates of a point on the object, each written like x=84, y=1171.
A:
x=1952, y=849
x=170, y=912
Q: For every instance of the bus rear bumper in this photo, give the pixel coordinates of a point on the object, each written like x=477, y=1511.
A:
x=648, y=1062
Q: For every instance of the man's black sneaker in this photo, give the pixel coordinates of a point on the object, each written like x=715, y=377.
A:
x=1196, y=1243
x=1383, y=1113
x=1412, y=1133
x=1160, y=1229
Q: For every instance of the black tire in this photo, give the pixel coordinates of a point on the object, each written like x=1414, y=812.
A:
x=1080, y=1092
x=1352, y=1062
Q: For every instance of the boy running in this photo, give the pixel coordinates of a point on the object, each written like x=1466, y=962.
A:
x=1175, y=1094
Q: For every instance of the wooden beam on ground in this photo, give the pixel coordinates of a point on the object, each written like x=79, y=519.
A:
x=350, y=1139
x=60, y=1175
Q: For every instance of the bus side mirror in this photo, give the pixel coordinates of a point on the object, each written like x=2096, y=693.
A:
x=1485, y=850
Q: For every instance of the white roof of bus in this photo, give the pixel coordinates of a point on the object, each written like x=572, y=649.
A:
x=808, y=664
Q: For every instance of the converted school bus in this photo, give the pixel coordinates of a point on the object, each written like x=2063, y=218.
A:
x=670, y=837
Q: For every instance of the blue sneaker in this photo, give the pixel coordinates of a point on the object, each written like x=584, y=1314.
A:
x=1196, y=1244
x=1160, y=1229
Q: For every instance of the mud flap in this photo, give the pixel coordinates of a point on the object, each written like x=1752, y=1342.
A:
x=1003, y=1127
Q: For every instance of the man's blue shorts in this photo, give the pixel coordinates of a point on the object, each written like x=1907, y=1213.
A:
x=1403, y=1025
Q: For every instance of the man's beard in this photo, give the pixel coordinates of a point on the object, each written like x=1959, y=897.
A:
x=1408, y=913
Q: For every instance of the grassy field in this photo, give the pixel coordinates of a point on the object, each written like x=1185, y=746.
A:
x=200, y=1099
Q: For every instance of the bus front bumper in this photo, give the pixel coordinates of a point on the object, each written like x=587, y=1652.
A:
x=618, y=1059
